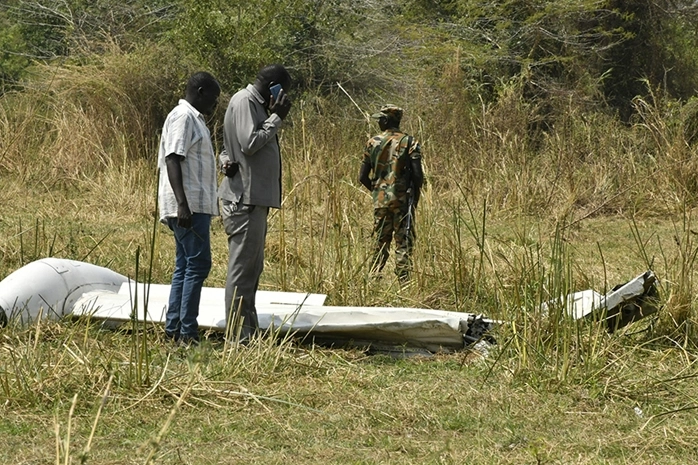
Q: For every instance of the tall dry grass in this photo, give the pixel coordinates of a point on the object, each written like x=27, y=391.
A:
x=510, y=218
x=92, y=131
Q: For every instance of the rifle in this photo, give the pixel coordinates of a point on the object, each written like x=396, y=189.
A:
x=410, y=189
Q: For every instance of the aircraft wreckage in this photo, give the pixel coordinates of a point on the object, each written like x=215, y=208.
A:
x=57, y=288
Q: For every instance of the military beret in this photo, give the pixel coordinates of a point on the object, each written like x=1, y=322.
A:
x=391, y=111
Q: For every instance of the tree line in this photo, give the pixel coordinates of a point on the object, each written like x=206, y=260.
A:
x=602, y=52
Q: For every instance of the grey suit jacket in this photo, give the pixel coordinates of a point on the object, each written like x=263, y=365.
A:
x=250, y=139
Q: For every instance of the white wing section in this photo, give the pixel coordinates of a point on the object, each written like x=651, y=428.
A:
x=430, y=329
x=55, y=287
x=624, y=304
x=152, y=302
x=297, y=313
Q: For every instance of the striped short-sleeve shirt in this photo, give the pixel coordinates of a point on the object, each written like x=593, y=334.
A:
x=185, y=133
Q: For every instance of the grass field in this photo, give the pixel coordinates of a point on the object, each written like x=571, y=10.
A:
x=284, y=402
x=504, y=225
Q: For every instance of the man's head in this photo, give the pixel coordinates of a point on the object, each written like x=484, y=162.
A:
x=270, y=75
x=389, y=116
x=202, y=92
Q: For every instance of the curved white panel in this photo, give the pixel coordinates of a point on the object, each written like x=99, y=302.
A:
x=51, y=286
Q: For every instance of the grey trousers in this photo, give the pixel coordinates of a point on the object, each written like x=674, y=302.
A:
x=246, y=226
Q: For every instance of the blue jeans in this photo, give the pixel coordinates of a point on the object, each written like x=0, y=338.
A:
x=192, y=265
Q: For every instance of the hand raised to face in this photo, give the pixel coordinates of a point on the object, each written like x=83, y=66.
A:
x=280, y=106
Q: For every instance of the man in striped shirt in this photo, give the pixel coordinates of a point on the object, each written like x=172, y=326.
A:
x=188, y=199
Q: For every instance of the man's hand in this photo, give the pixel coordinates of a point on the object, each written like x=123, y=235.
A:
x=280, y=106
x=230, y=168
x=183, y=216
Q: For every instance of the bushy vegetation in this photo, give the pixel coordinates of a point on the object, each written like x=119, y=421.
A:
x=559, y=143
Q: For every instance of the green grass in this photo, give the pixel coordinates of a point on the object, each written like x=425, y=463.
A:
x=342, y=406
x=274, y=403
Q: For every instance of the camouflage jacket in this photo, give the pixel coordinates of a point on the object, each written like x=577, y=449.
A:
x=389, y=176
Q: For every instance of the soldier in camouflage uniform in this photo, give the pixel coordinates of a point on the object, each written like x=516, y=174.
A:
x=394, y=160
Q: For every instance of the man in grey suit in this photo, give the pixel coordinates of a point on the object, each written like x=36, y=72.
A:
x=252, y=185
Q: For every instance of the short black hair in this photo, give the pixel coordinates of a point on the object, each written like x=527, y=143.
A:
x=202, y=79
x=274, y=73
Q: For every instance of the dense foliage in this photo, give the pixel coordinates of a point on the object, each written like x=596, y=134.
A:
x=609, y=51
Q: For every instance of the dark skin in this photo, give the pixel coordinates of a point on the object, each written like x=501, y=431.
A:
x=280, y=106
x=417, y=175
x=205, y=101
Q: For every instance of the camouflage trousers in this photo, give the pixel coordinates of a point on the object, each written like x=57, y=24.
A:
x=391, y=222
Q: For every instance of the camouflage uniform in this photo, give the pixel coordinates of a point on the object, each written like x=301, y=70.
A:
x=390, y=182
